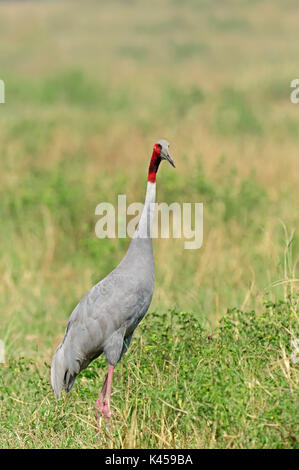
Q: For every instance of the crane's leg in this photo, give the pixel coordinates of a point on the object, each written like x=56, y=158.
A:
x=106, y=408
x=103, y=402
x=100, y=401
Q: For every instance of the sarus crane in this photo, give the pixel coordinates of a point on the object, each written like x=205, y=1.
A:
x=105, y=319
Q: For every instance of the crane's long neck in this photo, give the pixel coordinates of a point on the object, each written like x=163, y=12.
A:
x=144, y=229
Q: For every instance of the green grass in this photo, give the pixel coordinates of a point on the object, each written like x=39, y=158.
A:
x=233, y=387
x=89, y=88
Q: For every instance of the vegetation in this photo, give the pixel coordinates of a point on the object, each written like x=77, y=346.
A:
x=178, y=387
x=89, y=88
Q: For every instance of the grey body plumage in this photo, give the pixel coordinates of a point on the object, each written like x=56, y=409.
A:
x=104, y=320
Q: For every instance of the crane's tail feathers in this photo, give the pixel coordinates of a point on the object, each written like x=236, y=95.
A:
x=69, y=381
x=58, y=371
x=63, y=373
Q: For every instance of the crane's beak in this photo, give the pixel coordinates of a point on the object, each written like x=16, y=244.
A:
x=170, y=160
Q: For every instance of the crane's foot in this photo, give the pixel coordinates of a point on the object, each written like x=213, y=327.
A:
x=98, y=409
x=106, y=411
x=102, y=409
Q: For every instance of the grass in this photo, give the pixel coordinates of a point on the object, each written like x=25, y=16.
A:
x=210, y=366
x=233, y=388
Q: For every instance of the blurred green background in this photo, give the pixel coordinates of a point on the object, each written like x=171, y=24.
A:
x=90, y=86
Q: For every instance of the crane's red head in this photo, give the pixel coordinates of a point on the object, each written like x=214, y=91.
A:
x=160, y=152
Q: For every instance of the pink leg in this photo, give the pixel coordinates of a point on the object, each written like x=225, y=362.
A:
x=100, y=401
x=106, y=408
x=103, y=402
